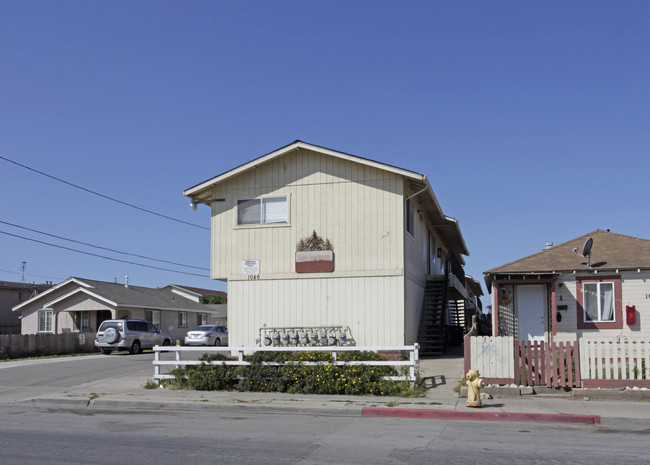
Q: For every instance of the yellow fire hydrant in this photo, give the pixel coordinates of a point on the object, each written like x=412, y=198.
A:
x=474, y=386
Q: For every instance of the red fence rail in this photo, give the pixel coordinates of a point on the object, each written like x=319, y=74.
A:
x=538, y=363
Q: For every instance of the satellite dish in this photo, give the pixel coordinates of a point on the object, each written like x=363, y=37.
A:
x=586, y=250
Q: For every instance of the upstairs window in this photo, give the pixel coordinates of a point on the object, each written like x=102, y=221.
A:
x=410, y=222
x=268, y=210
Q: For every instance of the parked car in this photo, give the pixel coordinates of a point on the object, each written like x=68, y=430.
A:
x=207, y=335
x=132, y=335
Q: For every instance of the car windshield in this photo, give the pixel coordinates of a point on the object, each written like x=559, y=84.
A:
x=203, y=328
x=111, y=324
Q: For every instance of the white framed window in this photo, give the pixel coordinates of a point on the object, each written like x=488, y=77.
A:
x=267, y=210
x=410, y=218
x=153, y=316
x=598, y=302
x=182, y=319
x=45, y=321
x=201, y=319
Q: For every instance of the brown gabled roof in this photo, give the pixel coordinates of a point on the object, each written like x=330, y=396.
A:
x=610, y=251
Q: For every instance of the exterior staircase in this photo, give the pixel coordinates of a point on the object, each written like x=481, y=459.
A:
x=431, y=335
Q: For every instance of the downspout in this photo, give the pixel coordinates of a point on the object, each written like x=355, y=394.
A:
x=495, y=309
x=404, y=319
x=553, y=312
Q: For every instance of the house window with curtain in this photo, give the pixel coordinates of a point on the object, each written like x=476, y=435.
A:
x=201, y=319
x=267, y=210
x=182, y=319
x=598, y=299
x=45, y=321
x=599, y=302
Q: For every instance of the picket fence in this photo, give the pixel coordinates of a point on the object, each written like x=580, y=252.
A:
x=588, y=362
x=618, y=362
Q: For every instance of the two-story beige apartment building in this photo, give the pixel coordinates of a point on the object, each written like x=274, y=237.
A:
x=309, y=237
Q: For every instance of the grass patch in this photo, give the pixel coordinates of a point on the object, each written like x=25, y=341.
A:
x=151, y=384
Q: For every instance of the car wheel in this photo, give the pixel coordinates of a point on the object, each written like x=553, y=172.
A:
x=217, y=342
x=135, y=347
x=167, y=342
x=106, y=351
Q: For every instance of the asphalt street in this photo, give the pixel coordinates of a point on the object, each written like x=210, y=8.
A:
x=93, y=409
x=33, y=435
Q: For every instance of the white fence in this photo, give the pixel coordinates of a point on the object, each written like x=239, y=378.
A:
x=621, y=358
x=492, y=356
x=412, y=363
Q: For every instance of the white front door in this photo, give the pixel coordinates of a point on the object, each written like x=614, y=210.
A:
x=530, y=307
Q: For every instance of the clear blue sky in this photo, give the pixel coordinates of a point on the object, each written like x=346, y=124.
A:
x=531, y=119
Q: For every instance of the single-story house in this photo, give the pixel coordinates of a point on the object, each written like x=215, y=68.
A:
x=79, y=304
x=596, y=284
x=310, y=238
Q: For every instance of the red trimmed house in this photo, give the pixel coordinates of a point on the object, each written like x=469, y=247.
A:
x=558, y=294
x=592, y=292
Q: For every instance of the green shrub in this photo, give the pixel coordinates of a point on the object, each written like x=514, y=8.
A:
x=296, y=378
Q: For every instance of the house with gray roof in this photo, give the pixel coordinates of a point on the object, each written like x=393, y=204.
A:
x=79, y=304
x=595, y=284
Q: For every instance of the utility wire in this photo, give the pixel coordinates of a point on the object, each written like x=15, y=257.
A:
x=103, y=248
x=103, y=256
x=101, y=195
x=30, y=274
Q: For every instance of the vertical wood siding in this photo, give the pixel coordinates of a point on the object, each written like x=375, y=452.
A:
x=634, y=290
x=356, y=207
x=370, y=306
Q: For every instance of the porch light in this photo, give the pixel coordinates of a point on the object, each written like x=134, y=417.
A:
x=193, y=204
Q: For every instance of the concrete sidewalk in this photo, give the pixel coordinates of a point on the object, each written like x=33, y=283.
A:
x=441, y=375
x=441, y=402
x=619, y=414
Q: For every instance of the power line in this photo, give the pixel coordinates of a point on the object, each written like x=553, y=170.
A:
x=103, y=248
x=30, y=274
x=102, y=256
x=101, y=195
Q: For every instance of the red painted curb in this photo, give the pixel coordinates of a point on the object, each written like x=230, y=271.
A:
x=478, y=415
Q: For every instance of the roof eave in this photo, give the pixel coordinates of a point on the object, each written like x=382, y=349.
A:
x=49, y=291
x=202, y=187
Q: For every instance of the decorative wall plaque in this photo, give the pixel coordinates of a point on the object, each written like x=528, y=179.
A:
x=314, y=255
